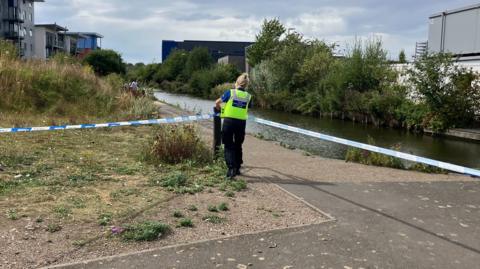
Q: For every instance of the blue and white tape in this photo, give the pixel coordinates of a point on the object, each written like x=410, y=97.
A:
x=109, y=125
x=389, y=152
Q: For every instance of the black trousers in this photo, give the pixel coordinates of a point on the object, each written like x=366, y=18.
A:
x=233, y=135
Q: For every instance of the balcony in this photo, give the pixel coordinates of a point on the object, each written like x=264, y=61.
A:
x=13, y=35
x=14, y=14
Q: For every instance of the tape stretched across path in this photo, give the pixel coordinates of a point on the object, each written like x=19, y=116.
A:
x=397, y=154
x=109, y=125
x=183, y=119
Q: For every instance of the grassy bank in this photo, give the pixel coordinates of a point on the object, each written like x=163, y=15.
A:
x=61, y=91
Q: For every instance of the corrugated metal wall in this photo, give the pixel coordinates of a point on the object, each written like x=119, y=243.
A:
x=456, y=32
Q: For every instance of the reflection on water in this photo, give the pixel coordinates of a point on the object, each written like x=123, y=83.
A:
x=448, y=150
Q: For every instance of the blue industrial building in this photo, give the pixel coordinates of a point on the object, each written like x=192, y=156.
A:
x=217, y=49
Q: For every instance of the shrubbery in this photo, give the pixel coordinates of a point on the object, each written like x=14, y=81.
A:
x=186, y=72
x=174, y=144
x=59, y=88
x=303, y=76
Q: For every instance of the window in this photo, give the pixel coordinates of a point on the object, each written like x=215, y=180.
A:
x=31, y=33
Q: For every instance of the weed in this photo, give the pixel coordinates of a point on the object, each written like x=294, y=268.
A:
x=175, y=144
x=124, y=193
x=53, y=228
x=145, y=231
x=427, y=169
x=214, y=219
x=230, y=194
x=174, y=180
x=212, y=208
x=178, y=214
x=62, y=211
x=192, y=208
x=77, y=202
x=105, y=219
x=223, y=207
x=186, y=223
x=239, y=185
x=12, y=214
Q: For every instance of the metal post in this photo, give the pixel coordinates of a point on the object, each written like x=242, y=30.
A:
x=217, y=132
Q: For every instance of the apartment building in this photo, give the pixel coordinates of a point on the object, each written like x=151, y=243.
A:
x=17, y=24
x=53, y=38
x=49, y=40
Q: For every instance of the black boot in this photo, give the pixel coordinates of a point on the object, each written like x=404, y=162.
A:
x=231, y=173
x=238, y=172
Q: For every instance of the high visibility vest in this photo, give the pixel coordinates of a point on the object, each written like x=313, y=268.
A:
x=237, y=105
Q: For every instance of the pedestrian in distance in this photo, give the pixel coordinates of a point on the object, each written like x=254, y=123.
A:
x=234, y=105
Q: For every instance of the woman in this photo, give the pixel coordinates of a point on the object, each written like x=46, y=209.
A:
x=235, y=114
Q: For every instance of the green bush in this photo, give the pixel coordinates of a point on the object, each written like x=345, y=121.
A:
x=203, y=81
x=145, y=231
x=175, y=144
x=450, y=92
x=187, y=223
x=372, y=158
x=105, y=62
x=198, y=59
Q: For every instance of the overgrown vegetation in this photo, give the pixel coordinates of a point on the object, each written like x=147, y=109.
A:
x=372, y=158
x=191, y=72
x=61, y=91
x=304, y=76
x=145, y=231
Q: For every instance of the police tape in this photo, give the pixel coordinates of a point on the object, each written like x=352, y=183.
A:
x=182, y=119
x=397, y=154
x=185, y=119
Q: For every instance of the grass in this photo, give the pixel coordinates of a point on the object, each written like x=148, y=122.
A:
x=376, y=159
x=54, y=227
x=186, y=223
x=212, y=208
x=223, y=207
x=105, y=219
x=230, y=194
x=192, y=208
x=177, y=214
x=214, y=219
x=12, y=214
x=145, y=231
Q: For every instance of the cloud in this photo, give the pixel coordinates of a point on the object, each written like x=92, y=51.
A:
x=137, y=27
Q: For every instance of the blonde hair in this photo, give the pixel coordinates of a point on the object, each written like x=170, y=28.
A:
x=242, y=81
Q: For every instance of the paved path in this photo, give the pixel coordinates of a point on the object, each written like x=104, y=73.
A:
x=384, y=219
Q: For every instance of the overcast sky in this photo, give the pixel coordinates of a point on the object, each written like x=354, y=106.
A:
x=136, y=28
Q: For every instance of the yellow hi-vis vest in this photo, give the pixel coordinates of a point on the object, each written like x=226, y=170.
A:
x=237, y=105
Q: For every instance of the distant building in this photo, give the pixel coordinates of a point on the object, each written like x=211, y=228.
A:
x=88, y=42
x=17, y=24
x=217, y=49
x=237, y=61
x=455, y=31
x=49, y=40
x=52, y=38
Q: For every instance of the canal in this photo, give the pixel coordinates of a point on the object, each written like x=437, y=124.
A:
x=454, y=151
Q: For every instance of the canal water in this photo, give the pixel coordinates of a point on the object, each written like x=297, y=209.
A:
x=454, y=151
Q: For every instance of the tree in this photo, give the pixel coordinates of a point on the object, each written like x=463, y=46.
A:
x=451, y=93
x=266, y=42
x=198, y=59
x=105, y=62
x=402, y=58
x=173, y=66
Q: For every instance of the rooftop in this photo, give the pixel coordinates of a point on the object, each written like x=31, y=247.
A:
x=87, y=34
x=457, y=10
x=54, y=27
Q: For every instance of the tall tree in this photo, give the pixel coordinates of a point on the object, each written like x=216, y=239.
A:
x=266, y=42
x=402, y=58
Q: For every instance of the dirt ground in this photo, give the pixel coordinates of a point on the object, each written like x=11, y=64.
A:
x=57, y=188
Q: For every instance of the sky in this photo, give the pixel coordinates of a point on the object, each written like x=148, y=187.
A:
x=136, y=28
